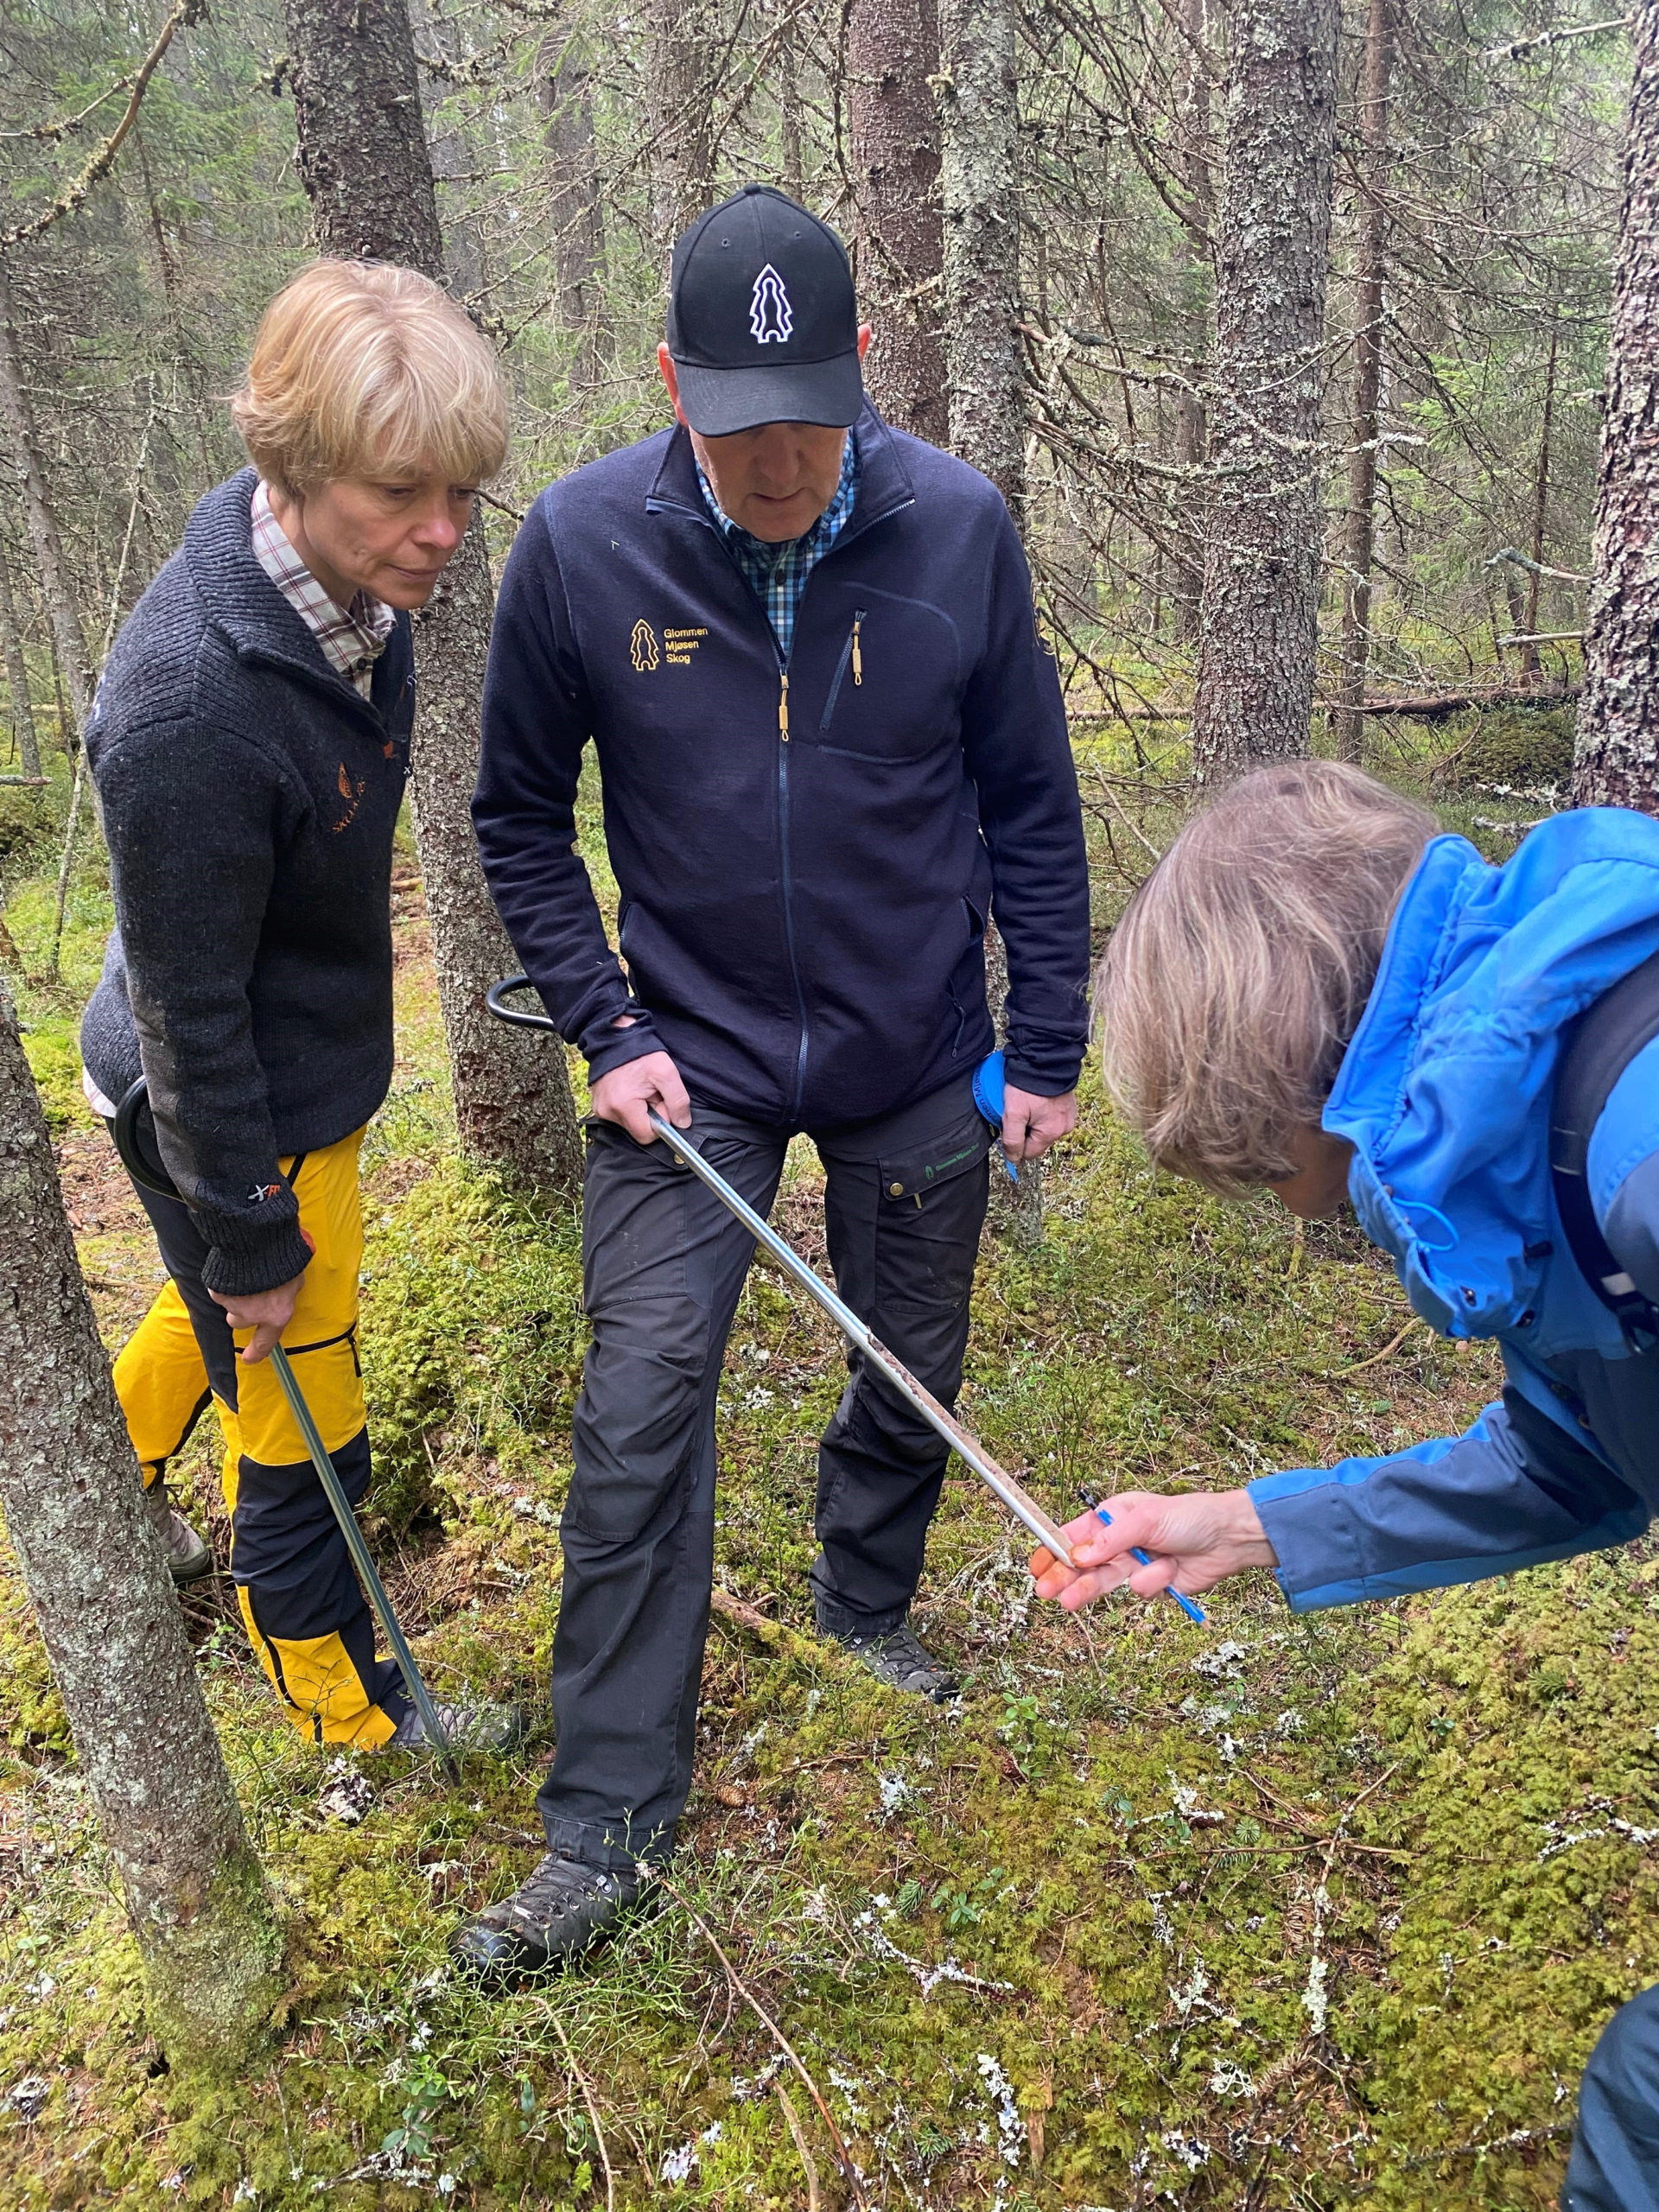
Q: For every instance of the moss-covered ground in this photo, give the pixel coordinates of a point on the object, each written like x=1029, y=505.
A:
x=1276, y=1912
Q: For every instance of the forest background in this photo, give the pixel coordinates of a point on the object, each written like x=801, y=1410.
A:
x=1295, y=1913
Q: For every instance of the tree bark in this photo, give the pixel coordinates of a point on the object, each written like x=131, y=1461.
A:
x=57, y=589
x=1368, y=377
x=1259, y=614
x=1529, y=663
x=363, y=162
x=680, y=39
x=978, y=190
x=204, y=1917
x=1617, y=762
x=11, y=643
x=1192, y=169
x=892, y=48
x=576, y=211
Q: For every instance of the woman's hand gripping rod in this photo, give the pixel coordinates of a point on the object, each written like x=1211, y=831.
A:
x=1019, y=1502
x=143, y=1163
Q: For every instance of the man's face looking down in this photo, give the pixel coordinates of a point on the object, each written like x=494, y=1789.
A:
x=776, y=479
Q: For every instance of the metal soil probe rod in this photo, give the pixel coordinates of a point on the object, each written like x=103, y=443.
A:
x=1019, y=1502
x=150, y=1175
x=334, y=1490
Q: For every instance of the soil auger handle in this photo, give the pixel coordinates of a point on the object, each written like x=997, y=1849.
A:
x=147, y=1170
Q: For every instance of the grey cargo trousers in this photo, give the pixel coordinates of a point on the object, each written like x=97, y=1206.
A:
x=663, y=1266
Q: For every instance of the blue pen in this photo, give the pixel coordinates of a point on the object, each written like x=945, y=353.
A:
x=1193, y=1612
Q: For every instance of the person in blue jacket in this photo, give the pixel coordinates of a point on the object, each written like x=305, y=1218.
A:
x=831, y=744
x=1315, y=993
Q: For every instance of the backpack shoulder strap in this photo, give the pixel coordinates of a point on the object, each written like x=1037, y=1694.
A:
x=1600, y=1046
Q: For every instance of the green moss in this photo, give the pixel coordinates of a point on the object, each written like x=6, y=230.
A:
x=1125, y=1875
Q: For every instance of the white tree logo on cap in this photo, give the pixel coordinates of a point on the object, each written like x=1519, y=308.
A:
x=769, y=314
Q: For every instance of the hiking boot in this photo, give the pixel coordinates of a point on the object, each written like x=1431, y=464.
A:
x=188, y=1557
x=497, y=1729
x=901, y=1661
x=560, y=1912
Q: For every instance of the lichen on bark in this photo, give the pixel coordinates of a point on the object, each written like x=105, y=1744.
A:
x=1259, y=613
x=206, y=1925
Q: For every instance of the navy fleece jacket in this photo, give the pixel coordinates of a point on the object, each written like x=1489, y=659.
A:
x=807, y=853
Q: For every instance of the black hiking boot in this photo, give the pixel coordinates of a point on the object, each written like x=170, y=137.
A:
x=549, y=1920
x=901, y=1661
x=188, y=1558
x=497, y=1729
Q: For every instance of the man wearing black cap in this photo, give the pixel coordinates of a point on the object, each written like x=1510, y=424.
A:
x=832, y=743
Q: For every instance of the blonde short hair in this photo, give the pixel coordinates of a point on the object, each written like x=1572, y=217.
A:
x=1231, y=989
x=363, y=368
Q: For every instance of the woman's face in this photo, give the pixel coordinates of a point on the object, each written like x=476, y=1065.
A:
x=393, y=538
x=1318, y=1188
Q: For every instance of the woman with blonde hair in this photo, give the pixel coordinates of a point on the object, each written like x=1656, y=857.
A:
x=250, y=744
x=1315, y=994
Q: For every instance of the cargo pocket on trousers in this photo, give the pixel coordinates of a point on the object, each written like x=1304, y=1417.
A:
x=932, y=1207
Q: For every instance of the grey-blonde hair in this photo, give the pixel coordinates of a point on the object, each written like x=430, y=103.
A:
x=360, y=368
x=1231, y=987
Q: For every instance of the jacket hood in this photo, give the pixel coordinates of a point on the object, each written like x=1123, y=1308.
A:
x=1446, y=1088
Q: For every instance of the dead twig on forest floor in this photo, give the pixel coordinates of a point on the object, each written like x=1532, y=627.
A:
x=1338, y=1374
x=774, y=1633
x=843, y=2157
x=593, y=2110
x=802, y=2145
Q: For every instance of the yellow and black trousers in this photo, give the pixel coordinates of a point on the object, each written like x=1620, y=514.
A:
x=307, y=1619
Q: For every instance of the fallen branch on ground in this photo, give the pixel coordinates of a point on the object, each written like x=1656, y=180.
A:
x=843, y=2157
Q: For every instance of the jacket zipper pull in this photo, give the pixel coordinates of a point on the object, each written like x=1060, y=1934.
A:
x=858, y=651
x=783, y=706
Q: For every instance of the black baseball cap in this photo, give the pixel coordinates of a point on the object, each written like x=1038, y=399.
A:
x=762, y=325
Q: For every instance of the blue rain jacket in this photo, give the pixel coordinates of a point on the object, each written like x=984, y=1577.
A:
x=1444, y=1093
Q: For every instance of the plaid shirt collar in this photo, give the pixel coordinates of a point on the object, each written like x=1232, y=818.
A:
x=778, y=574
x=352, y=638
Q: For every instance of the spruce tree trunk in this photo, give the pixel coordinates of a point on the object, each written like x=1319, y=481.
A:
x=979, y=189
x=892, y=48
x=204, y=1917
x=1368, y=380
x=363, y=162
x=57, y=587
x=1617, y=762
x=575, y=212
x=1259, y=615
x=1192, y=170
x=1529, y=662
x=11, y=642
x=683, y=42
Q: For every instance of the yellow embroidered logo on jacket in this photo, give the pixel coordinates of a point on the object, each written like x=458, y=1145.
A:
x=642, y=647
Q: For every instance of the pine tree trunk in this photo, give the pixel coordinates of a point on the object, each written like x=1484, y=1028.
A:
x=1259, y=616
x=979, y=189
x=363, y=162
x=11, y=643
x=1368, y=380
x=57, y=589
x=892, y=48
x=574, y=211
x=201, y=1911
x=682, y=41
x=1617, y=762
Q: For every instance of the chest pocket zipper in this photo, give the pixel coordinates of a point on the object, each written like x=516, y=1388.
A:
x=852, y=655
